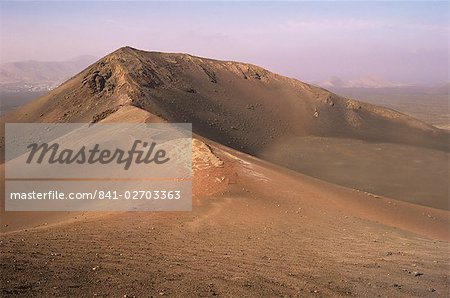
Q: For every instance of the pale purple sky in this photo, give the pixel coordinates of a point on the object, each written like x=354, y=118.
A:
x=405, y=42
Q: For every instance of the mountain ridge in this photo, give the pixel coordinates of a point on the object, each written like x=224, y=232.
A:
x=225, y=100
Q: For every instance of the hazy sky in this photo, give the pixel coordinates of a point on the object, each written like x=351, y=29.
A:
x=397, y=41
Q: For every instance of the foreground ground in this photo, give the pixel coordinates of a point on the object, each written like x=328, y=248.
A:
x=254, y=231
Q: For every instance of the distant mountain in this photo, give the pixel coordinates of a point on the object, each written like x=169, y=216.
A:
x=365, y=82
x=40, y=75
x=442, y=89
x=427, y=103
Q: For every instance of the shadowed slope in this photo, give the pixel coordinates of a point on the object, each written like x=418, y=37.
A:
x=258, y=112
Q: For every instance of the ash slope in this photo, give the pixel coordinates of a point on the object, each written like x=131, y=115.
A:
x=280, y=233
x=255, y=230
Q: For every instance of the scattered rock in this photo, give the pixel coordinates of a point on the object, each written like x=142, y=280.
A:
x=316, y=113
x=417, y=273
